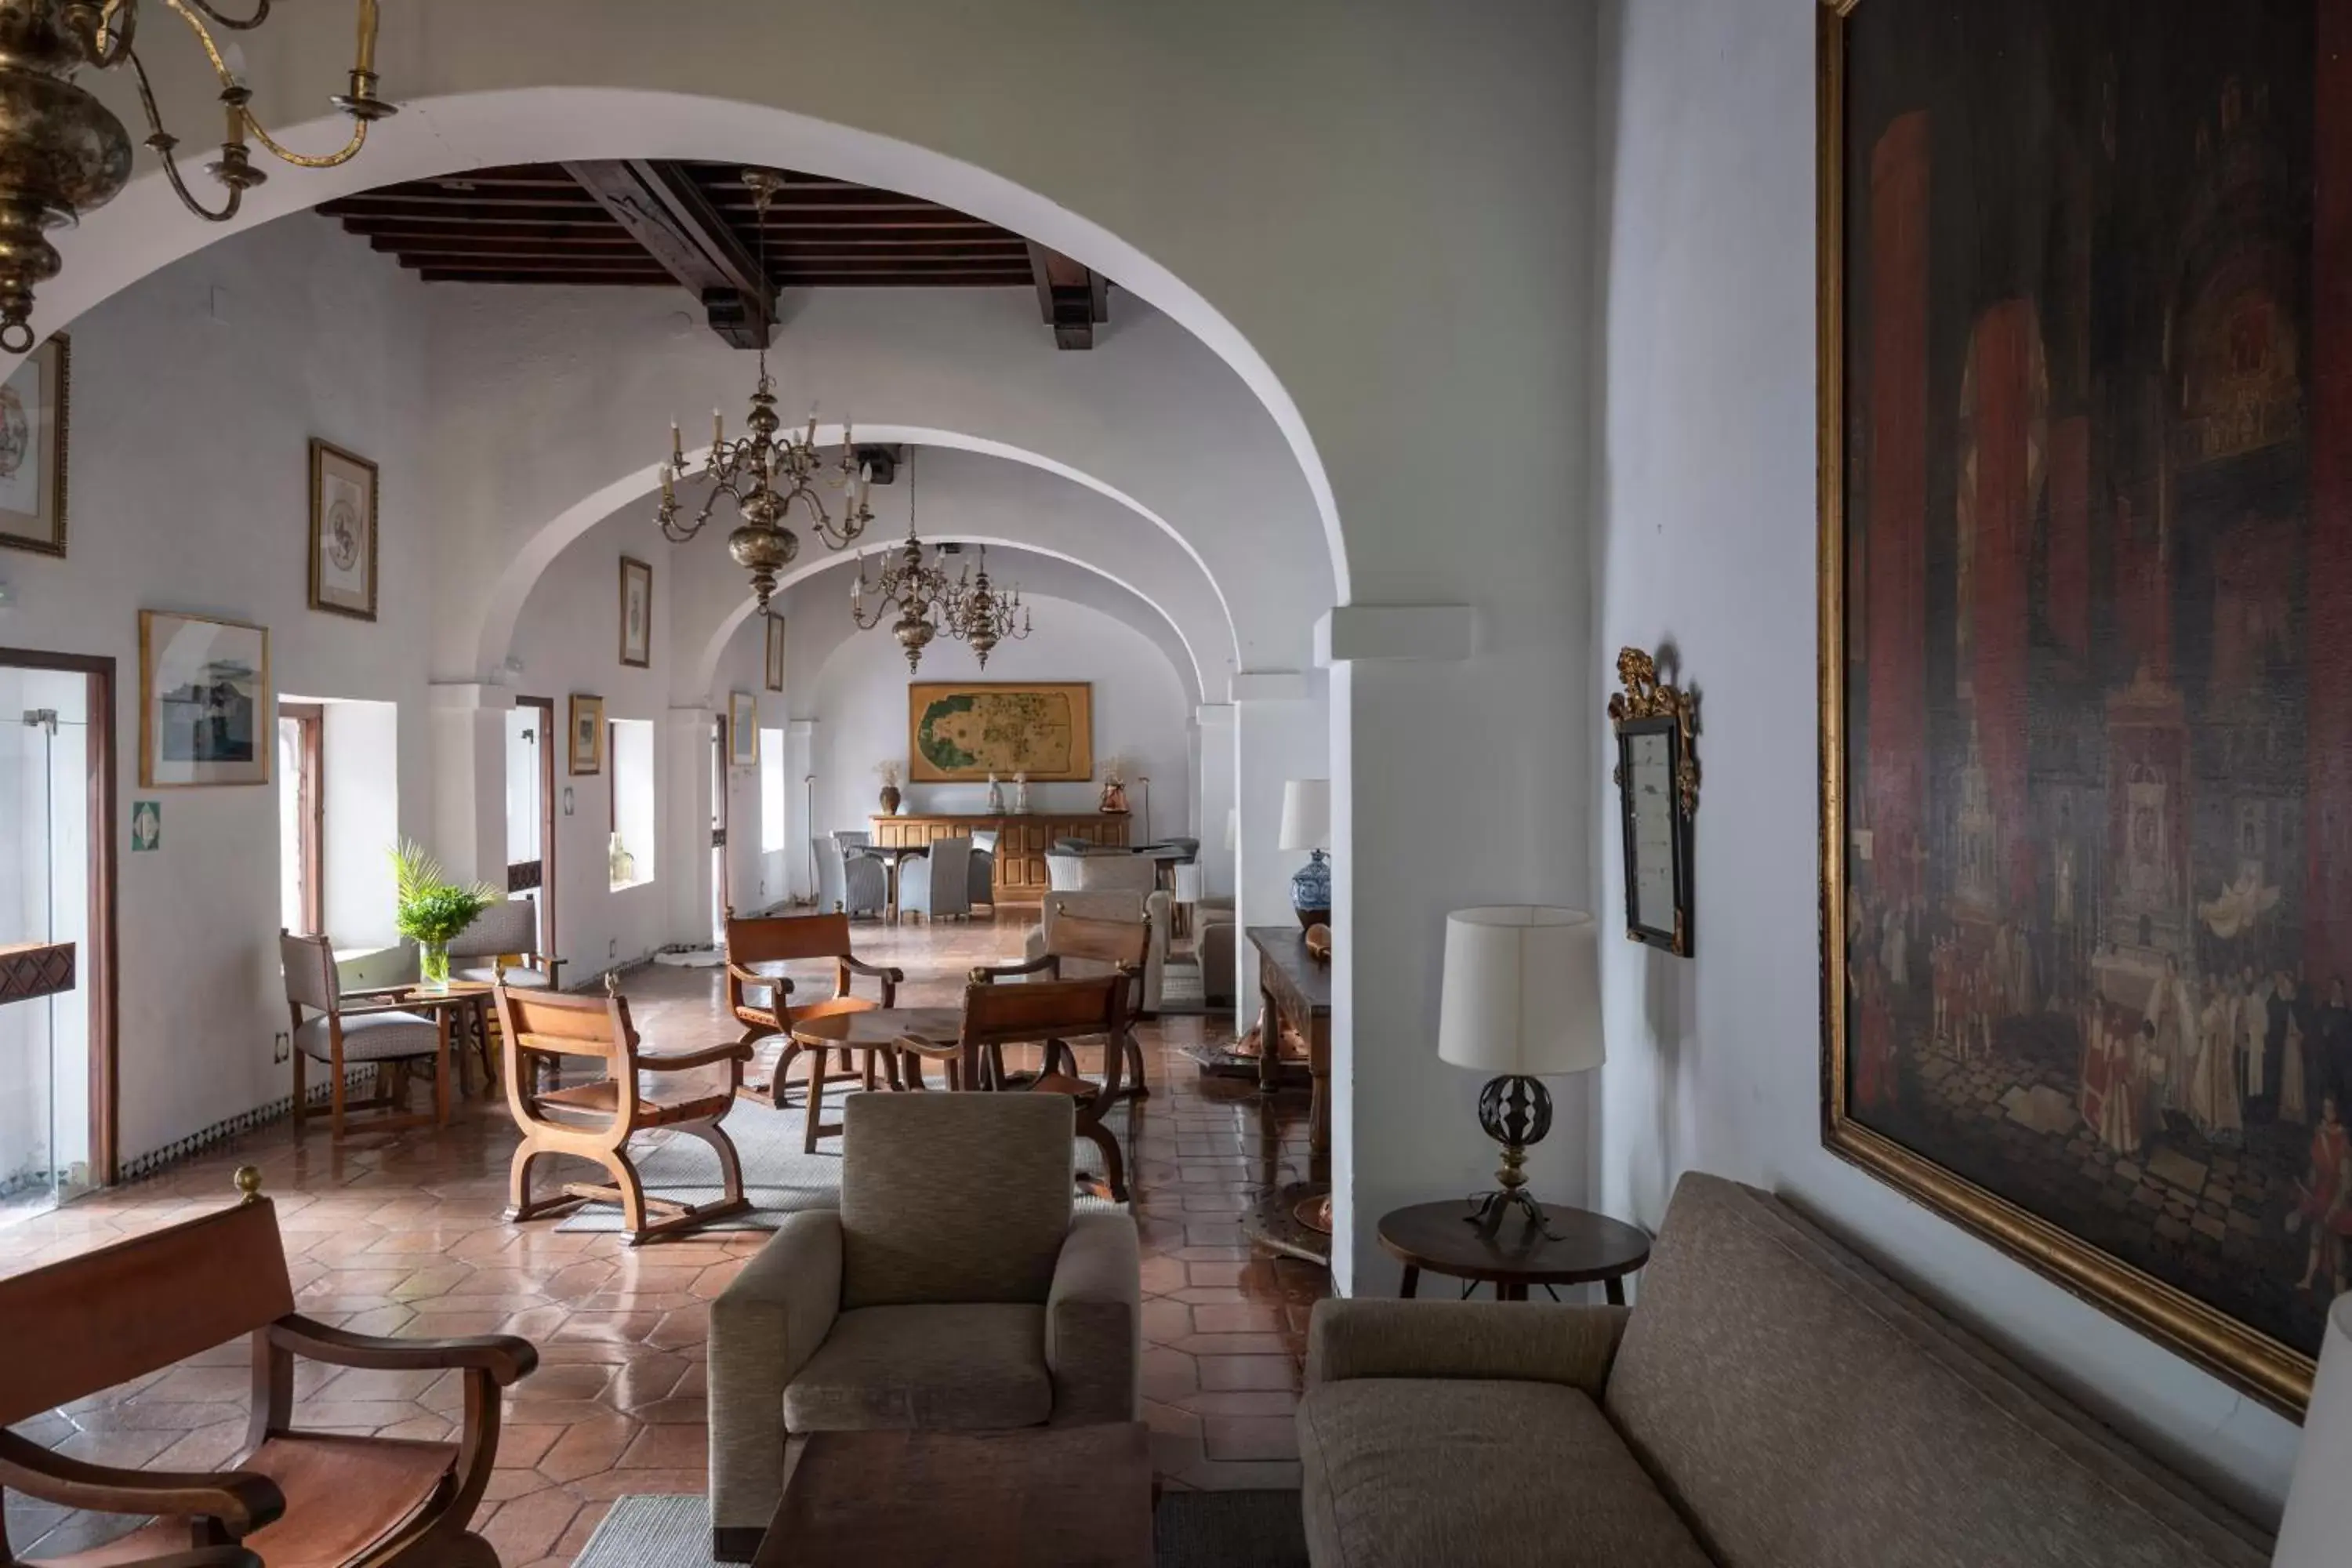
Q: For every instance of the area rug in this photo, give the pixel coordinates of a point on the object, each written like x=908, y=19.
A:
x=779, y=1177
x=1190, y=1530
x=1181, y=988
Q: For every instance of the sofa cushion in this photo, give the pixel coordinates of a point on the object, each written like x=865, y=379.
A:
x=1468, y=1472
x=959, y=1367
x=1799, y=1408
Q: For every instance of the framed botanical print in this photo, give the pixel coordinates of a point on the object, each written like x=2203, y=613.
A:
x=204, y=704
x=775, y=662
x=586, y=746
x=343, y=531
x=636, y=614
x=1657, y=787
x=2087, y=701
x=742, y=730
x=34, y=407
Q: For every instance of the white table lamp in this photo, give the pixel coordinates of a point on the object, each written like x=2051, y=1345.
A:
x=1307, y=824
x=2317, y=1530
x=1521, y=998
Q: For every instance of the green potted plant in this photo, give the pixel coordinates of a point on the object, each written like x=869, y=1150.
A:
x=432, y=909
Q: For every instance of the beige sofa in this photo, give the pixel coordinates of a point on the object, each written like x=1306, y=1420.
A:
x=1770, y=1401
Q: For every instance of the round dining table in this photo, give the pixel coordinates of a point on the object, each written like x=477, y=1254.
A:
x=876, y=1031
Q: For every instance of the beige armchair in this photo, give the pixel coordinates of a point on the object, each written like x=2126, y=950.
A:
x=955, y=1288
x=1128, y=908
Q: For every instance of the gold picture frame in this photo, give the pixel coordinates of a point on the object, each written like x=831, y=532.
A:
x=637, y=612
x=206, y=709
x=773, y=654
x=344, y=516
x=585, y=736
x=959, y=731
x=2265, y=1367
x=35, y=419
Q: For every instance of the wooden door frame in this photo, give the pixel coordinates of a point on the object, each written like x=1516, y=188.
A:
x=101, y=970
x=312, y=780
x=546, y=707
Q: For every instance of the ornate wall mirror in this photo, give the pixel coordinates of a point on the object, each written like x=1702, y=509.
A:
x=1657, y=787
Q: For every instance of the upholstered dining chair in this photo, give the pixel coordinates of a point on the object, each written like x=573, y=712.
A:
x=1071, y=944
x=939, y=884
x=595, y=1120
x=851, y=884
x=508, y=931
x=295, y=1497
x=767, y=1004
x=982, y=879
x=957, y=1287
x=380, y=1033
x=1049, y=1015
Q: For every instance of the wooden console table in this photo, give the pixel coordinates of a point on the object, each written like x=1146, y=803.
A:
x=1297, y=990
x=1021, y=842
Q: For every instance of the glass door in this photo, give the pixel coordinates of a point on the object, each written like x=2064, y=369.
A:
x=45, y=859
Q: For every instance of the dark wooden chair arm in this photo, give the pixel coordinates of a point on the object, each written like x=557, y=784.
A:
x=504, y=1357
x=239, y=1501
x=886, y=973
x=679, y=1061
x=742, y=976
x=983, y=973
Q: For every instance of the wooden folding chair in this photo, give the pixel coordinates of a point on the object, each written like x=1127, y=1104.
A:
x=1111, y=945
x=298, y=1498
x=595, y=1120
x=761, y=1000
x=1049, y=1014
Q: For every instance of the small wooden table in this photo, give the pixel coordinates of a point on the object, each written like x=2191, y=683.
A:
x=876, y=1032
x=1073, y=1496
x=1582, y=1247
x=468, y=1003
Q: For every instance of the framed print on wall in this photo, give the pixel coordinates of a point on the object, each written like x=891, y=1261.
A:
x=774, y=663
x=742, y=730
x=586, y=744
x=961, y=732
x=636, y=614
x=2086, y=705
x=205, y=705
x=343, y=531
x=1658, y=792
x=34, y=409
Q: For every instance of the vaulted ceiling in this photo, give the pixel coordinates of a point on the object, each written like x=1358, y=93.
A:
x=643, y=223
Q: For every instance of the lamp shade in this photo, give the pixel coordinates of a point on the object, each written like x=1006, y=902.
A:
x=2319, y=1521
x=1306, y=815
x=1522, y=990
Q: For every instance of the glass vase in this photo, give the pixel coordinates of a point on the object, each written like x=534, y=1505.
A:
x=432, y=964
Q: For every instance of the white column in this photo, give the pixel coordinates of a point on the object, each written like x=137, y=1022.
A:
x=1281, y=731
x=1216, y=797
x=799, y=769
x=469, y=781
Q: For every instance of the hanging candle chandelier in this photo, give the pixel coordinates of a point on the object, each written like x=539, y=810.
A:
x=770, y=472
x=979, y=615
x=917, y=589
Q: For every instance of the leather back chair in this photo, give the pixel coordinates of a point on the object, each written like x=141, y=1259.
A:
x=766, y=1001
x=296, y=1498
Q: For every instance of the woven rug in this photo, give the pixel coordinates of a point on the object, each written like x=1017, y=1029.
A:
x=1181, y=989
x=1190, y=1530
x=778, y=1176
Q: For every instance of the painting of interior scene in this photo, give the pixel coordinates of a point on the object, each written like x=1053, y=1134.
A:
x=2097, y=626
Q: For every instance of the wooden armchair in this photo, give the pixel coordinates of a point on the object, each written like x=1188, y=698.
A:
x=759, y=997
x=379, y=1031
x=595, y=1120
x=298, y=1499
x=1090, y=946
x=1049, y=1014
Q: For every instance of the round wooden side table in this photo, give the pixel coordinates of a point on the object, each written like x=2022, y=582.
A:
x=1580, y=1248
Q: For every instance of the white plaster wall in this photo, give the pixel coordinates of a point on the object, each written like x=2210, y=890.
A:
x=1139, y=711
x=359, y=746
x=194, y=395
x=1706, y=505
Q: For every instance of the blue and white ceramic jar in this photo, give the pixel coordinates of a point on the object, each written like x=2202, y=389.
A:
x=1310, y=891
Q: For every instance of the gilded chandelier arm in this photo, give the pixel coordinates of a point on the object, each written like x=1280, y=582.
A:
x=163, y=141
x=104, y=28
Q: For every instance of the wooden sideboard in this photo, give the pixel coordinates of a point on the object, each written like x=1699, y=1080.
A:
x=1021, y=842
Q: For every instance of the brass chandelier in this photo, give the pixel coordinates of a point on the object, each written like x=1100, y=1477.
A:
x=749, y=471
x=979, y=615
x=63, y=153
x=917, y=589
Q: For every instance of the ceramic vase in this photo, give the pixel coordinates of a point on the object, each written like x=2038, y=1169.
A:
x=1310, y=891
x=890, y=798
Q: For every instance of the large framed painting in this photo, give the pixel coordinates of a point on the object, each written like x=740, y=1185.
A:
x=2086, y=696
x=34, y=406
x=962, y=732
x=204, y=701
x=343, y=531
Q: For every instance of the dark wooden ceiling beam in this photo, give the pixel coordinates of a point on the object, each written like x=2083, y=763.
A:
x=667, y=213
x=1071, y=296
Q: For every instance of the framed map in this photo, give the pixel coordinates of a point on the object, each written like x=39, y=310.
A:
x=962, y=732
